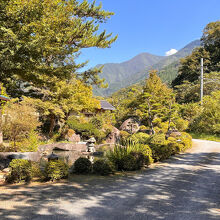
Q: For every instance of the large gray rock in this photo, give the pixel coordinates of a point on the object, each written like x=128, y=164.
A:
x=131, y=125
x=72, y=136
x=113, y=137
x=7, y=157
x=63, y=146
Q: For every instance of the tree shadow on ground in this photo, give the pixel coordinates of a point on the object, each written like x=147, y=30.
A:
x=184, y=187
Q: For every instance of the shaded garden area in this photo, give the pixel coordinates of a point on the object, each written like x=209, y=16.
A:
x=184, y=187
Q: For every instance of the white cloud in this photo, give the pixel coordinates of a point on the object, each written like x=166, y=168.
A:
x=171, y=52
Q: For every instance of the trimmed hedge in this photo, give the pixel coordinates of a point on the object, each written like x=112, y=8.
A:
x=163, y=149
x=82, y=166
x=140, y=137
x=129, y=163
x=56, y=170
x=20, y=170
x=103, y=167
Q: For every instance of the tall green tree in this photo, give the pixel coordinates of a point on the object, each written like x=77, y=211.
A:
x=56, y=104
x=208, y=119
x=211, y=42
x=187, y=81
x=42, y=39
x=154, y=99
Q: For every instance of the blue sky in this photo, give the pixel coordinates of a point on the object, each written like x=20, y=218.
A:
x=153, y=26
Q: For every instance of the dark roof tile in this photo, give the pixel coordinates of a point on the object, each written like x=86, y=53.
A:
x=106, y=105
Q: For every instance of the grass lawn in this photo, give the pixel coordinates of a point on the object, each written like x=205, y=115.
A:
x=208, y=137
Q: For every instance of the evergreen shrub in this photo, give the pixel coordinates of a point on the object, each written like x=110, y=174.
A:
x=157, y=139
x=140, y=137
x=86, y=130
x=124, y=135
x=103, y=167
x=20, y=170
x=129, y=163
x=82, y=166
x=163, y=149
x=56, y=170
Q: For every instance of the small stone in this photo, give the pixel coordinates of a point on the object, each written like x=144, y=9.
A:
x=6, y=170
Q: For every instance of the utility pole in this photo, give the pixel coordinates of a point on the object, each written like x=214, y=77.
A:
x=201, y=82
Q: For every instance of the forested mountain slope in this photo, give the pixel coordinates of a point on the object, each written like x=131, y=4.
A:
x=120, y=75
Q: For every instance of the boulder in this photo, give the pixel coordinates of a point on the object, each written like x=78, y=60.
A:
x=6, y=170
x=113, y=137
x=4, y=162
x=72, y=136
x=7, y=157
x=2, y=177
x=131, y=125
x=63, y=146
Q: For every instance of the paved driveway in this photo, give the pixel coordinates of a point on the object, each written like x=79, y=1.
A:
x=184, y=187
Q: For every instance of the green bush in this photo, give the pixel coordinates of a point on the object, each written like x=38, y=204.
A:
x=140, y=159
x=117, y=155
x=161, y=152
x=181, y=124
x=143, y=128
x=103, y=167
x=140, y=137
x=157, y=139
x=131, y=157
x=82, y=165
x=86, y=130
x=124, y=135
x=207, y=120
x=35, y=170
x=10, y=148
x=29, y=144
x=163, y=149
x=186, y=141
x=20, y=170
x=97, y=122
x=129, y=163
x=56, y=170
x=147, y=152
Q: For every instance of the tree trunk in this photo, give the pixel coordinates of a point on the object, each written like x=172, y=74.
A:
x=52, y=124
x=150, y=119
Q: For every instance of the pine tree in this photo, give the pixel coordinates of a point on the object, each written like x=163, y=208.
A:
x=152, y=103
x=42, y=39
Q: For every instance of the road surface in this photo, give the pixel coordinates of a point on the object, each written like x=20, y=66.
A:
x=184, y=187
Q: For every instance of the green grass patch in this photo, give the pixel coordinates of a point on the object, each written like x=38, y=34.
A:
x=208, y=137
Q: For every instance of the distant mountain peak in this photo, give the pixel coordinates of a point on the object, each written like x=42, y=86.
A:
x=119, y=75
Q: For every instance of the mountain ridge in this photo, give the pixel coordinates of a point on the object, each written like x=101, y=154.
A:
x=120, y=75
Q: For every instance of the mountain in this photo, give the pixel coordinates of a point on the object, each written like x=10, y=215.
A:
x=120, y=75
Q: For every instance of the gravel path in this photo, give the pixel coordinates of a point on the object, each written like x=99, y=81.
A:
x=184, y=187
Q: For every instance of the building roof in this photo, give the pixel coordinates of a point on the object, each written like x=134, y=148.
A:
x=4, y=98
x=106, y=105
